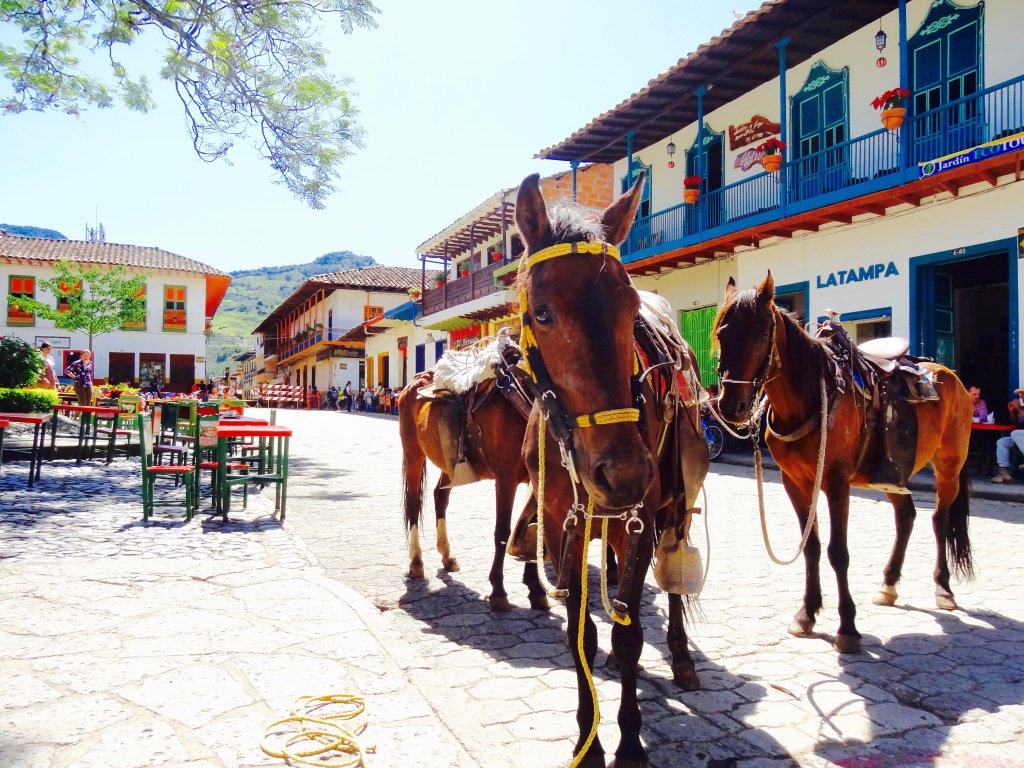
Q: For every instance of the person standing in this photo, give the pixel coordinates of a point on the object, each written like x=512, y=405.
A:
x=1016, y=438
x=81, y=372
x=348, y=395
x=48, y=380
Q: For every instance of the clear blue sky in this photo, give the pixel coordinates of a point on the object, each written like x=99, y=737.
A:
x=456, y=97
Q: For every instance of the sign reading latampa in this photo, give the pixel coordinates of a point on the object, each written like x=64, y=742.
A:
x=856, y=275
x=973, y=155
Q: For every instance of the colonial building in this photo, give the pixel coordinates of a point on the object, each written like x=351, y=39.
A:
x=182, y=297
x=306, y=340
x=895, y=200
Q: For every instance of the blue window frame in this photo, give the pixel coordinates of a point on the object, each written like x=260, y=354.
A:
x=820, y=129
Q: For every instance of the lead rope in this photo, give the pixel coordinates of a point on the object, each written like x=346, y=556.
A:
x=812, y=513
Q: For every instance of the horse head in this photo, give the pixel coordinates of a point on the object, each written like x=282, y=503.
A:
x=744, y=331
x=578, y=305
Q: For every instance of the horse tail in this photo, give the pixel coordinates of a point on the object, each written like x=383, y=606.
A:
x=413, y=495
x=958, y=541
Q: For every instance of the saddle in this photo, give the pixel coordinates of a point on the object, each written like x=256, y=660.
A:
x=460, y=397
x=888, y=380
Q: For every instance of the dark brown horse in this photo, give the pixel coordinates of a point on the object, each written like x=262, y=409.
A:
x=764, y=349
x=493, y=451
x=624, y=430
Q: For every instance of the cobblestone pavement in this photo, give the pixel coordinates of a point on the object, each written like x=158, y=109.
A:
x=176, y=644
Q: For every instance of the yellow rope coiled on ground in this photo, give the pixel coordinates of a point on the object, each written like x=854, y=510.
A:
x=315, y=732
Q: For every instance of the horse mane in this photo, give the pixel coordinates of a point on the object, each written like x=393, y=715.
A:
x=573, y=222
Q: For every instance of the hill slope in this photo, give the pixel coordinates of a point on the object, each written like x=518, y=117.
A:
x=254, y=293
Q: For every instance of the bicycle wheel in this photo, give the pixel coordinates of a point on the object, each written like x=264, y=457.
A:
x=716, y=440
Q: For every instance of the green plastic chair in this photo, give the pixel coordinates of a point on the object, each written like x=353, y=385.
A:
x=151, y=471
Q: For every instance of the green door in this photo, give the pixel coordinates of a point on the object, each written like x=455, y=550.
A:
x=695, y=326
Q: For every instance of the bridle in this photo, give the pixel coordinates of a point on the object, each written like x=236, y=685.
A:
x=560, y=422
x=759, y=381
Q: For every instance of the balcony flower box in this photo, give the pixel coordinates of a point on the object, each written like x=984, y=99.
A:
x=771, y=154
x=691, y=189
x=891, y=104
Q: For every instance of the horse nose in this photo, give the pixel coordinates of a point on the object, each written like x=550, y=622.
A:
x=622, y=483
x=737, y=409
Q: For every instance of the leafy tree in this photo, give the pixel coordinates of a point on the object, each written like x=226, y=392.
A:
x=237, y=65
x=20, y=363
x=93, y=300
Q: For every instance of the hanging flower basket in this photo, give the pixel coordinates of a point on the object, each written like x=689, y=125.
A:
x=691, y=189
x=891, y=103
x=496, y=255
x=771, y=154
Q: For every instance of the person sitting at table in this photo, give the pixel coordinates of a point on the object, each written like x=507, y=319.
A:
x=81, y=373
x=980, y=407
x=1016, y=438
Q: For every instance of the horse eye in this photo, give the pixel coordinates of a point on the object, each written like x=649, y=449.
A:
x=542, y=316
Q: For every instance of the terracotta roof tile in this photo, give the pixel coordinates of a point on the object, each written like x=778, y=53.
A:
x=90, y=252
x=379, y=278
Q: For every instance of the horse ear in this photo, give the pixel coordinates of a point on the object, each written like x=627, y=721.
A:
x=531, y=213
x=618, y=218
x=730, y=289
x=766, y=290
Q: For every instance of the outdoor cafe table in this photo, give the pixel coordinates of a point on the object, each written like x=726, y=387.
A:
x=273, y=468
x=87, y=415
x=38, y=422
x=983, y=438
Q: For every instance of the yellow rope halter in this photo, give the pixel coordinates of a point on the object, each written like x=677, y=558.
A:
x=527, y=339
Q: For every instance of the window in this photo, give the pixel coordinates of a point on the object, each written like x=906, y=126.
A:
x=137, y=326
x=174, y=308
x=370, y=312
x=65, y=292
x=21, y=287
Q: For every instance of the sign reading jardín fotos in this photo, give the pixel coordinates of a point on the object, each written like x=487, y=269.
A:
x=759, y=127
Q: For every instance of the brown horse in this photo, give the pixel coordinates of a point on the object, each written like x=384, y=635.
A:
x=493, y=452
x=764, y=349
x=619, y=427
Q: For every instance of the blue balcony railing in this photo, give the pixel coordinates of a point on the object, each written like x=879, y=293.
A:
x=869, y=163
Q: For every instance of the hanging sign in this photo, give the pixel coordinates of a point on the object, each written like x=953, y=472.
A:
x=759, y=127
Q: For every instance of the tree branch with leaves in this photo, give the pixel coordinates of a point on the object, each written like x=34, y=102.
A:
x=239, y=68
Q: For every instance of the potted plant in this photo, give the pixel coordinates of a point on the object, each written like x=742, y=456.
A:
x=691, y=189
x=496, y=253
x=415, y=294
x=464, y=269
x=771, y=154
x=891, y=103
x=442, y=278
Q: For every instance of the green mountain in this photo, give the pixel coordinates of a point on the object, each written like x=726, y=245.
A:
x=254, y=293
x=27, y=231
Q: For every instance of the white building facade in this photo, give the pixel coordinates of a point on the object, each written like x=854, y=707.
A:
x=182, y=296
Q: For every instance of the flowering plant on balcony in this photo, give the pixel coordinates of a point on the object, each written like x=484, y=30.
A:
x=771, y=146
x=894, y=97
x=691, y=182
x=415, y=294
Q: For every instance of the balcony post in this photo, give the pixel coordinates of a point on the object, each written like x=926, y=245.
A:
x=629, y=159
x=574, y=164
x=783, y=123
x=909, y=123
x=699, y=160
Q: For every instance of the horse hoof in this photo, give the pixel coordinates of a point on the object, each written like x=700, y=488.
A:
x=629, y=762
x=801, y=628
x=886, y=595
x=847, y=643
x=540, y=603
x=499, y=604
x=593, y=759
x=685, y=677
x=416, y=570
x=945, y=602
x=450, y=564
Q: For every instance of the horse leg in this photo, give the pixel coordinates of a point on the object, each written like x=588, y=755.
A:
x=803, y=620
x=684, y=672
x=414, y=471
x=442, y=492
x=950, y=500
x=903, y=505
x=847, y=638
x=504, y=496
x=627, y=644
